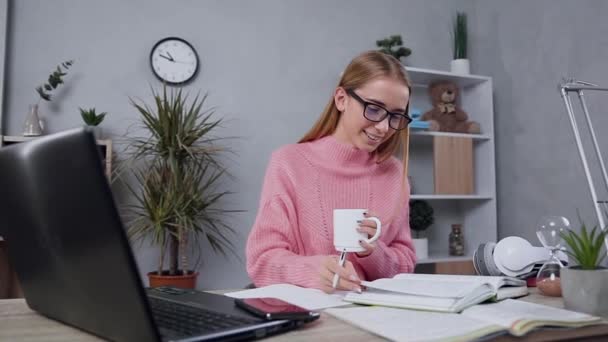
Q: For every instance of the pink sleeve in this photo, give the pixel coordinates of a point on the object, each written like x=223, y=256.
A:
x=397, y=256
x=273, y=247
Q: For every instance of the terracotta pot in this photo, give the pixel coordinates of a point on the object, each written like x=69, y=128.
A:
x=187, y=281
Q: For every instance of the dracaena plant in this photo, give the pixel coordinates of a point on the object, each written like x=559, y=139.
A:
x=586, y=248
x=178, y=178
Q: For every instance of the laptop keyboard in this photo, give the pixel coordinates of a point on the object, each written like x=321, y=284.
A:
x=191, y=321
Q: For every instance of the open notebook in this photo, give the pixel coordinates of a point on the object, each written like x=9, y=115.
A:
x=437, y=292
x=513, y=317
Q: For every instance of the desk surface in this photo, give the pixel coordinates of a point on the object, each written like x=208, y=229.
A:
x=19, y=323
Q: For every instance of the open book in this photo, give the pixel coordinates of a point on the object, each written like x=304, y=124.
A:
x=513, y=317
x=437, y=292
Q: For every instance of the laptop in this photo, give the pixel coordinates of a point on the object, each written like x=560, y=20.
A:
x=72, y=256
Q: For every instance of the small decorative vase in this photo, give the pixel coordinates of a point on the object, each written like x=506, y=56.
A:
x=456, y=241
x=460, y=66
x=33, y=125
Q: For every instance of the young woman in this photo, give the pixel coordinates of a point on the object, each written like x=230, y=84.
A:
x=345, y=161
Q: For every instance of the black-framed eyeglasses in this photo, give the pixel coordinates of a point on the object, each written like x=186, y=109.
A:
x=376, y=113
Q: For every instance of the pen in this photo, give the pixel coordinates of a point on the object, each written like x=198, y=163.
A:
x=341, y=263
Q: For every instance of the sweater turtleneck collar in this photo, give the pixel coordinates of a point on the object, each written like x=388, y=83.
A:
x=336, y=153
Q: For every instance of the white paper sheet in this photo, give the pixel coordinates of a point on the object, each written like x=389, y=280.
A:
x=412, y=325
x=311, y=299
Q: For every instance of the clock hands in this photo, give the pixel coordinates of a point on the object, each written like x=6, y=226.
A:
x=170, y=59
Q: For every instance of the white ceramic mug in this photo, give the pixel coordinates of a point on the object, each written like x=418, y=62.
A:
x=346, y=236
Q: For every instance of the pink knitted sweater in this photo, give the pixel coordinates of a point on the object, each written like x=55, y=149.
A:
x=293, y=230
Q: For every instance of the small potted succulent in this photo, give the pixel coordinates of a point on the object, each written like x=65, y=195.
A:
x=584, y=281
x=92, y=120
x=421, y=218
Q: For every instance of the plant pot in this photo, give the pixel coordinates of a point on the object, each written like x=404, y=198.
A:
x=421, y=246
x=585, y=290
x=460, y=66
x=187, y=281
x=96, y=131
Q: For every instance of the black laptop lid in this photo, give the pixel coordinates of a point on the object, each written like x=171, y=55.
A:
x=65, y=238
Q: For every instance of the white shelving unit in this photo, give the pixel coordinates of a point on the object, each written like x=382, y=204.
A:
x=476, y=212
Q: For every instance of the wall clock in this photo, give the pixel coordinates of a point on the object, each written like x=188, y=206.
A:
x=174, y=60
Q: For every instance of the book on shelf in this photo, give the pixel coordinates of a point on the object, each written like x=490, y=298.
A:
x=437, y=292
x=514, y=317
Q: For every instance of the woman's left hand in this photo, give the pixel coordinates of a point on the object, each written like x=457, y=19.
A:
x=368, y=227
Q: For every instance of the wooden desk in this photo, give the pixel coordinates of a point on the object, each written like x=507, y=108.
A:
x=19, y=323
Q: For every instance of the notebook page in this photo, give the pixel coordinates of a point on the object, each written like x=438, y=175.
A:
x=495, y=281
x=311, y=299
x=509, y=312
x=411, y=325
x=400, y=300
x=426, y=287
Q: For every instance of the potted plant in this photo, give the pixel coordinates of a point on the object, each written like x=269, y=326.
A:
x=393, y=46
x=177, y=174
x=421, y=217
x=584, y=284
x=460, y=64
x=92, y=119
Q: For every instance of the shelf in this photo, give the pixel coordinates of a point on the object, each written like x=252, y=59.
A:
x=449, y=197
x=447, y=134
x=104, y=144
x=18, y=139
x=14, y=139
x=444, y=258
x=423, y=77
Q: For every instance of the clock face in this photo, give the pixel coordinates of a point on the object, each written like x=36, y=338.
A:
x=174, y=60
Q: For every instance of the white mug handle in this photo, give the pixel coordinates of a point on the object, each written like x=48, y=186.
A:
x=378, y=229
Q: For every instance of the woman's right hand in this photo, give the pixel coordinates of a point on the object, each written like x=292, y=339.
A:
x=349, y=280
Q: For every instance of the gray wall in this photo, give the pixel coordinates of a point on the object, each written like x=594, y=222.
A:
x=269, y=65
x=527, y=47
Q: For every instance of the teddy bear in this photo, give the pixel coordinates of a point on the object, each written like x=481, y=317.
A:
x=446, y=115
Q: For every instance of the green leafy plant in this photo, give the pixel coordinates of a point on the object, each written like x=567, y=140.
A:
x=421, y=216
x=176, y=195
x=586, y=247
x=460, y=36
x=90, y=117
x=393, y=46
x=55, y=79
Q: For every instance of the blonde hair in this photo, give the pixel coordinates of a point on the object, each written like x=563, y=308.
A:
x=367, y=66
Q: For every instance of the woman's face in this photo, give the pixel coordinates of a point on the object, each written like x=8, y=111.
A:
x=354, y=128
